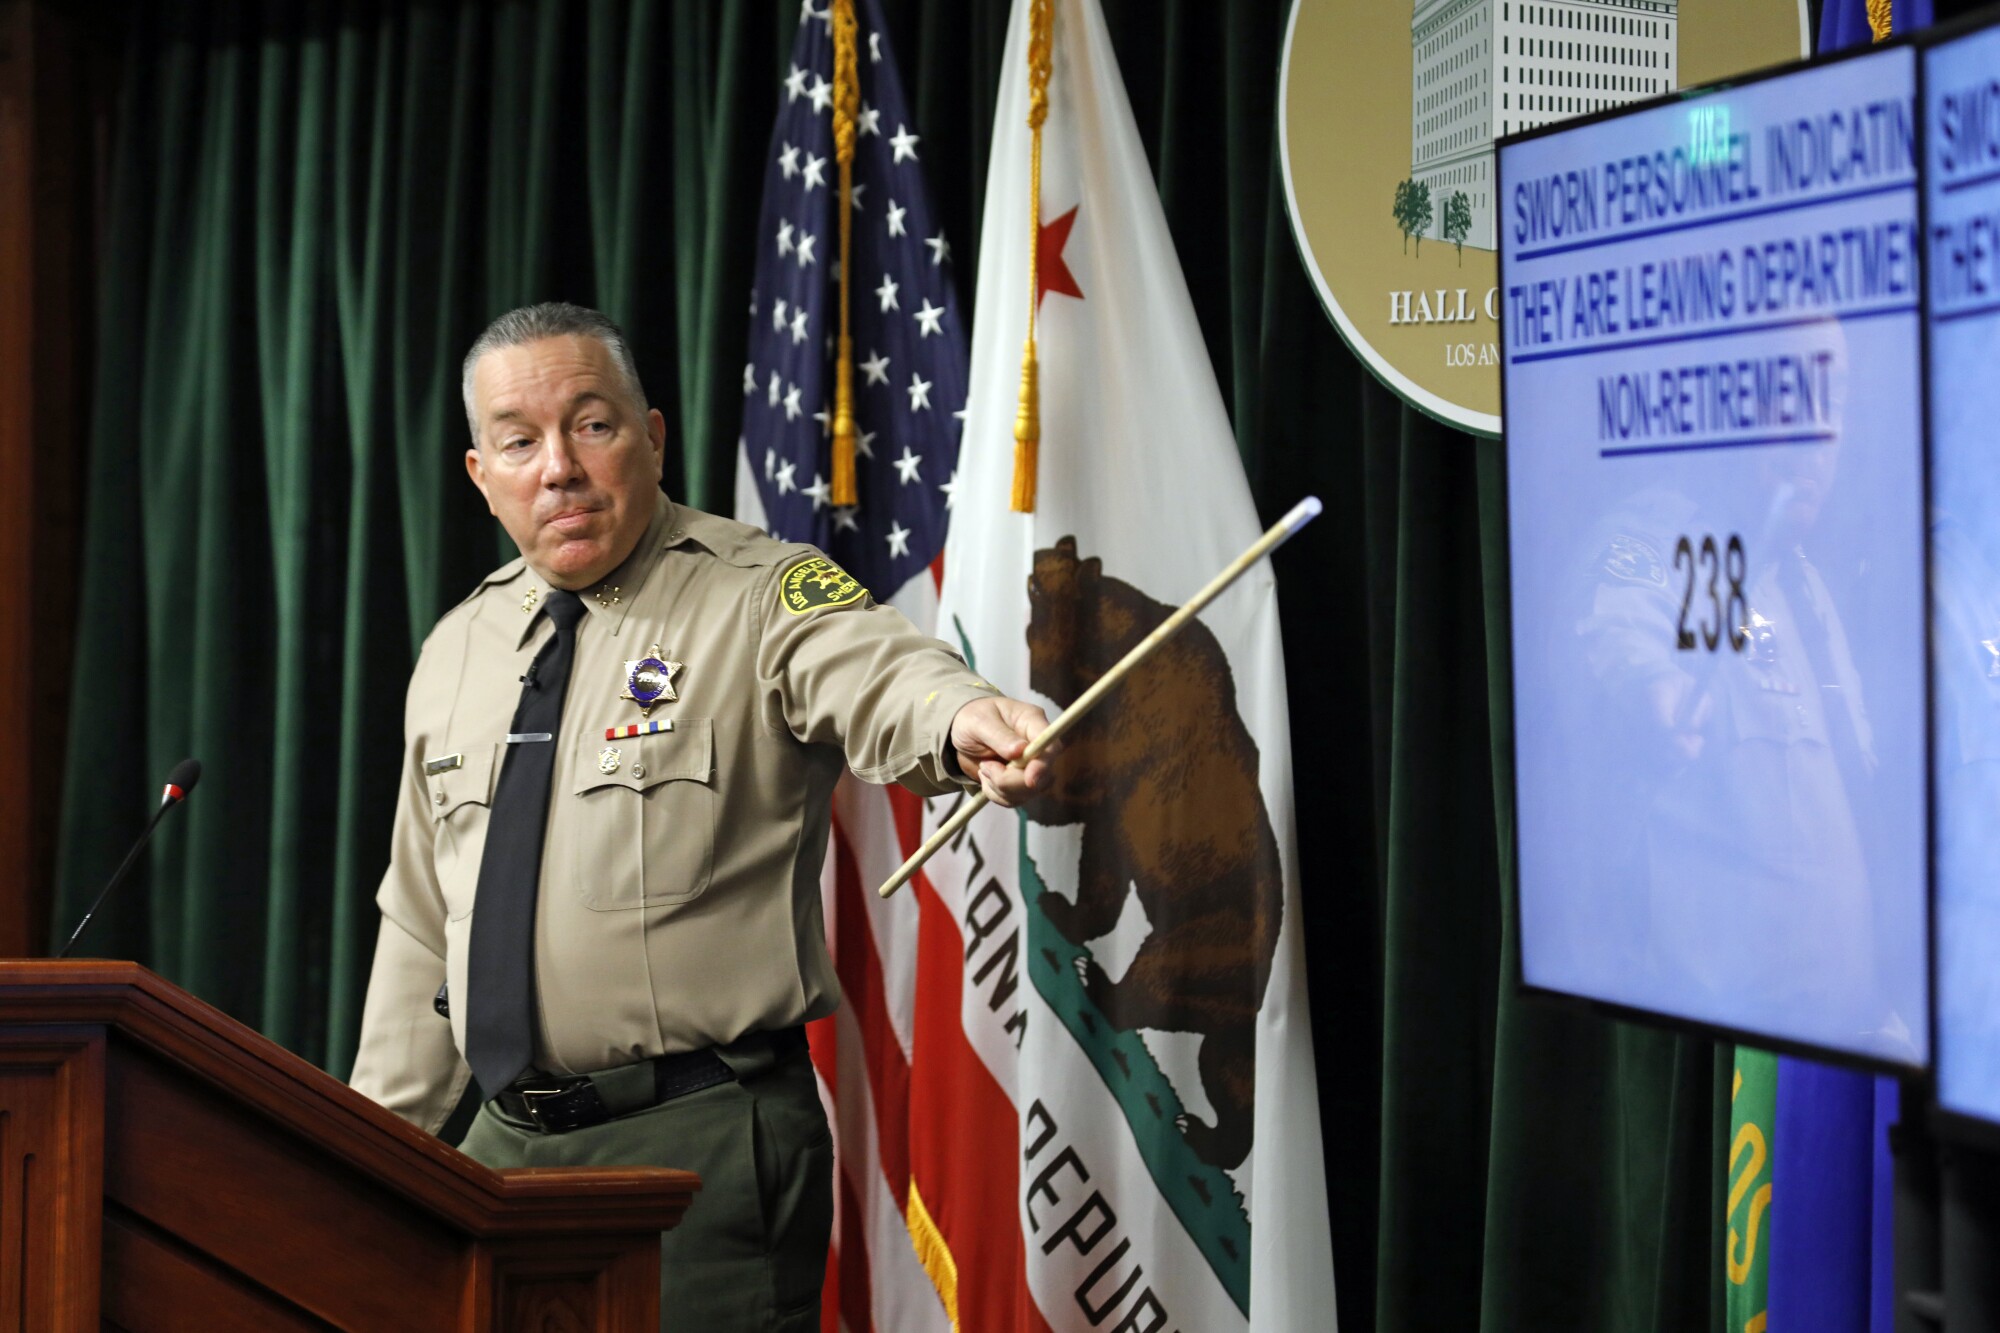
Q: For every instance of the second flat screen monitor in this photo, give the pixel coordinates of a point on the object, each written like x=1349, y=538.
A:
x=1715, y=507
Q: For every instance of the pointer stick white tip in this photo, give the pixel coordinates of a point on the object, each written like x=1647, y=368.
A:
x=1304, y=512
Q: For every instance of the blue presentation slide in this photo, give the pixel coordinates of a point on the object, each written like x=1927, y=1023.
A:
x=1962, y=188
x=1715, y=496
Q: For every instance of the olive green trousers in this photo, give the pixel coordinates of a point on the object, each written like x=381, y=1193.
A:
x=751, y=1253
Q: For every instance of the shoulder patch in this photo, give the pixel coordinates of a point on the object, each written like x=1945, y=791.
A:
x=816, y=582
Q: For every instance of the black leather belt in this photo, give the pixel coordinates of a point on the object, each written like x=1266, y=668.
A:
x=559, y=1103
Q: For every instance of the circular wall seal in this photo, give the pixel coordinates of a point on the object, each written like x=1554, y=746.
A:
x=1387, y=114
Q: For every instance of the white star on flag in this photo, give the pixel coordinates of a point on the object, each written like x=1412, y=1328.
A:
x=788, y=161
x=825, y=419
x=799, y=327
x=870, y=122
x=774, y=388
x=950, y=489
x=876, y=368
x=770, y=463
x=853, y=193
x=784, y=241
x=815, y=172
x=874, y=48
x=792, y=406
x=778, y=316
x=928, y=317
x=785, y=482
x=907, y=465
x=899, y=539
x=896, y=219
x=844, y=520
x=806, y=243
x=795, y=84
x=887, y=291
x=822, y=93
x=920, y=393
x=864, y=442
x=749, y=379
x=940, y=249
x=820, y=491
x=905, y=144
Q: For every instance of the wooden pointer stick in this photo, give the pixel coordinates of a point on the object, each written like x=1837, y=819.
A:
x=1304, y=512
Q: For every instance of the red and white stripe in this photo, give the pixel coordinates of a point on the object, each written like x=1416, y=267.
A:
x=908, y=1095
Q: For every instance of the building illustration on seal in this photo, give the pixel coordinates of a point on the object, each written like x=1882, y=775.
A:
x=1484, y=68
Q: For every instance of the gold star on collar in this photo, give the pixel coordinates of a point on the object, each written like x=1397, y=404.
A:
x=607, y=595
x=528, y=602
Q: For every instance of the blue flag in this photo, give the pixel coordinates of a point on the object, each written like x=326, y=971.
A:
x=1845, y=23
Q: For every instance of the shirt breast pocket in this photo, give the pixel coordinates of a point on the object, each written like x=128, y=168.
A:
x=461, y=797
x=645, y=827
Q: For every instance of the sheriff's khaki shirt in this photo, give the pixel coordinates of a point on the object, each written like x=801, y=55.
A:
x=679, y=902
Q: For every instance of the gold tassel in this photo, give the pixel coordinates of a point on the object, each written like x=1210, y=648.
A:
x=1027, y=431
x=1880, y=19
x=1028, y=417
x=846, y=115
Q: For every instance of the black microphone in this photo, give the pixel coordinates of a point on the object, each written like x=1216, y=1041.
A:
x=179, y=783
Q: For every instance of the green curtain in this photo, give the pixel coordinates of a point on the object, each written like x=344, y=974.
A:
x=314, y=209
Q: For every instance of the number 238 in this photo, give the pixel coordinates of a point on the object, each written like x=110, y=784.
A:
x=1727, y=609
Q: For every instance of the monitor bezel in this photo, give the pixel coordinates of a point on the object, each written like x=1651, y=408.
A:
x=1960, y=1126
x=1908, y=45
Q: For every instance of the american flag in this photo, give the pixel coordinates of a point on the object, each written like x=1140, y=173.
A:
x=910, y=351
x=909, y=338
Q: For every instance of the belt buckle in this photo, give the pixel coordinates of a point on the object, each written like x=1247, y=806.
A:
x=530, y=1103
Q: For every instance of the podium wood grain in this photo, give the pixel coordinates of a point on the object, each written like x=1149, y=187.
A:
x=163, y=1167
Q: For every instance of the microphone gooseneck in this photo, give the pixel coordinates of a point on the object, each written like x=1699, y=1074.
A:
x=179, y=783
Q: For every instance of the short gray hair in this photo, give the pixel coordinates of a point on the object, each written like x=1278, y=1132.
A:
x=550, y=319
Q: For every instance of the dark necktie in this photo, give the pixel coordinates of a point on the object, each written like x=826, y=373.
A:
x=500, y=973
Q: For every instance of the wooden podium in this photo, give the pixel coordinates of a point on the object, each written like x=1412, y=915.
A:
x=163, y=1167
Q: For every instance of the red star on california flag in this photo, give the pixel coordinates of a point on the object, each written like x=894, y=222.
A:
x=1051, y=273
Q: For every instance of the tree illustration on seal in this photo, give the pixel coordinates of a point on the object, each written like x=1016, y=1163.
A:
x=1458, y=221
x=1163, y=777
x=1413, y=211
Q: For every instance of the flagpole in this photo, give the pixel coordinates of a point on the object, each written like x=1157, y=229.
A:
x=846, y=110
x=1302, y=513
x=1028, y=412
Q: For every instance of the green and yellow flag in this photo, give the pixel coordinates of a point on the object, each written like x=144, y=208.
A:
x=1753, y=1114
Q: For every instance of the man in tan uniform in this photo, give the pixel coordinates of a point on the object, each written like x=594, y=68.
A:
x=671, y=940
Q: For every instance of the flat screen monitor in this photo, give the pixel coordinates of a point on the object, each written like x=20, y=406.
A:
x=1962, y=224
x=1713, y=434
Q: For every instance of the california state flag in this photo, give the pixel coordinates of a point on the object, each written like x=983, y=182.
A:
x=1113, y=1116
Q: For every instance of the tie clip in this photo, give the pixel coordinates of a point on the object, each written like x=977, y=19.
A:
x=520, y=737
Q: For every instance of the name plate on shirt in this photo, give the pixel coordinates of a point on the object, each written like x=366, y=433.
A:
x=1713, y=436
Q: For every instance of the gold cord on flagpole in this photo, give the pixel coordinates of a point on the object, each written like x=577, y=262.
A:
x=846, y=114
x=1028, y=417
x=1880, y=19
